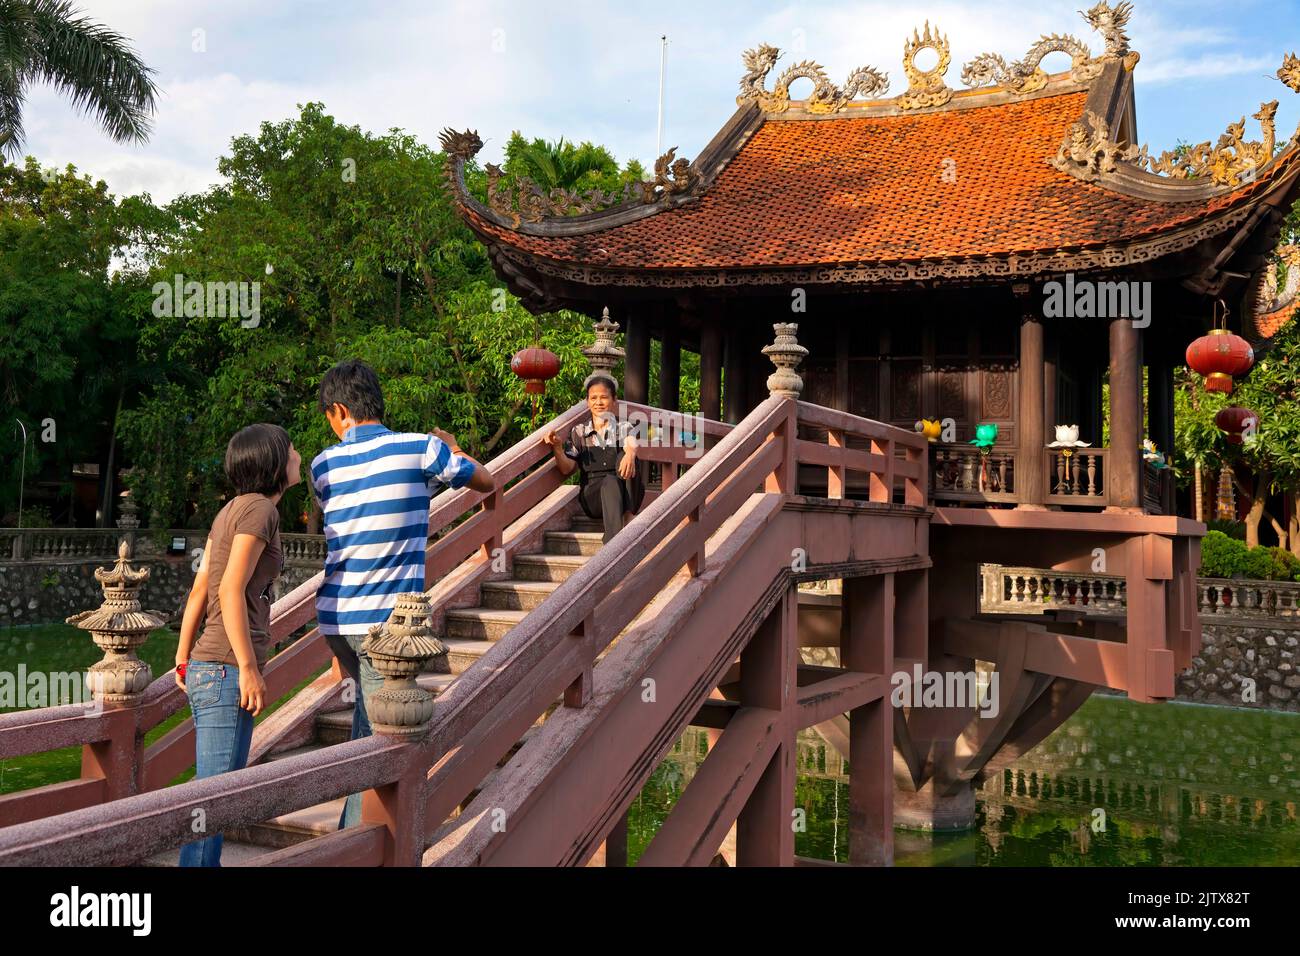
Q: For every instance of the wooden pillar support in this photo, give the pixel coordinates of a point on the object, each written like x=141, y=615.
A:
x=768, y=669
x=1124, y=458
x=1149, y=560
x=670, y=366
x=636, y=368
x=711, y=369
x=867, y=646
x=736, y=362
x=1031, y=486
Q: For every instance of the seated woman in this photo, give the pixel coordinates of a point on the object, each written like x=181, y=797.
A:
x=604, y=451
x=221, y=671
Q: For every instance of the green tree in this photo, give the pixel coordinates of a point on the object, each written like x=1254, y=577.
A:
x=47, y=41
x=68, y=324
x=562, y=165
x=1272, y=454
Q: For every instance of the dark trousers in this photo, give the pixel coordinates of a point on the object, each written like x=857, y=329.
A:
x=604, y=498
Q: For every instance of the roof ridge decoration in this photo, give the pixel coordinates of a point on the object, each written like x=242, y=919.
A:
x=1090, y=152
x=826, y=97
x=926, y=88
x=527, y=202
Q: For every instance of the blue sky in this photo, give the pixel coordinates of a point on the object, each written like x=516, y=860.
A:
x=590, y=70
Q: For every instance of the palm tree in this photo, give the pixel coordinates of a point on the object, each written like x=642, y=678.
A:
x=47, y=41
x=559, y=165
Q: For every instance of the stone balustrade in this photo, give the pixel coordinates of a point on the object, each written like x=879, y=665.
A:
x=1018, y=590
x=64, y=545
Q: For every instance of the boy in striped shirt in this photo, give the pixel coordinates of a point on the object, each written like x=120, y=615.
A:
x=374, y=488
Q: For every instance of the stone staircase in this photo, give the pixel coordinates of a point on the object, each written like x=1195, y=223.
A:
x=469, y=634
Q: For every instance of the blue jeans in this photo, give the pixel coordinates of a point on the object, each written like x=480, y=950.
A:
x=367, y=682
x=222, y=733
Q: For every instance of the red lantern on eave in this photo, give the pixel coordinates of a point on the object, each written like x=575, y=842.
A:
x=536, y=366
x=1234, y=421
x=1219, y=356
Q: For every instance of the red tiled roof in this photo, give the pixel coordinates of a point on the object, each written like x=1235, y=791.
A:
x=1270, y=323
x=872, y=189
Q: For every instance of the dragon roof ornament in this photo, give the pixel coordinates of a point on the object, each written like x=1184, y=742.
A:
x=1090, y=152
x=1026, y=75
x=521, y=200
x=826, y=96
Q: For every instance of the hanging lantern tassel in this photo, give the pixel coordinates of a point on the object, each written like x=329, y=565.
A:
x=536, y=366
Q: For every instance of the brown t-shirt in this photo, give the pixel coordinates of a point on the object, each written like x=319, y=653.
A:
x=247, y=514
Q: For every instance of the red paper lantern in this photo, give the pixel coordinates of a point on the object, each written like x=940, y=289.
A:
x=1234, y=420
x=536, y=366
x=1219, y=356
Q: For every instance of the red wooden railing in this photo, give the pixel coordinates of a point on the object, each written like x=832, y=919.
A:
x=415, y=786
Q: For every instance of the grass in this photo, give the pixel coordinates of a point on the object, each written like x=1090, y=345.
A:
x=62, y=647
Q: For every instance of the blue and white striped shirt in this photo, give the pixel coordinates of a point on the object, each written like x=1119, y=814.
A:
x=374, y=489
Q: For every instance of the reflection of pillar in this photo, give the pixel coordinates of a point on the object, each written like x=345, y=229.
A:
x=1124, y=458
x=670, y=366
x=711, y=369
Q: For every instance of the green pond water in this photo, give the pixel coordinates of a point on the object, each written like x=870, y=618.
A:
x=1177, y=784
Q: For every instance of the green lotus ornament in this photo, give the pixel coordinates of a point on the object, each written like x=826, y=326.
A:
x=986, y=434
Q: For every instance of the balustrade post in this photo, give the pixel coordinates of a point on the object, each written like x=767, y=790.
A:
x=400, y=649
x=786, y=353
x=118, y=627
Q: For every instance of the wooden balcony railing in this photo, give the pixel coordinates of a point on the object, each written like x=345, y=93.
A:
x=1078, y=478
x=960, y=473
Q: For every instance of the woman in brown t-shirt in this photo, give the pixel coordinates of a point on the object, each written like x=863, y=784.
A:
x=222, y=671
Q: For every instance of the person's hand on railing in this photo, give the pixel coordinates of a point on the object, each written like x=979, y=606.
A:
x=252, y=689
x=550, y=439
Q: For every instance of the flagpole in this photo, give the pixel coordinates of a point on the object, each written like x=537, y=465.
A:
x=663, y=63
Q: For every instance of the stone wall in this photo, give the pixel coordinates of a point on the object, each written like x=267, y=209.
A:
x=1231, y=654
x=45, y=592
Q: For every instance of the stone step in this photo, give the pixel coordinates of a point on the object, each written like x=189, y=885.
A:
x=463, y=652
x=516, y=595
x=547, y=567
x=480, y=623
x=572, y=542
x=581, y=522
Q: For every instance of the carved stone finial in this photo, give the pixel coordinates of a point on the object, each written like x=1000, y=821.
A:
x=129, y=517
x=786, y=353
x=604, y=353
x=399, y=649
x=118, y=627
x=926, y=88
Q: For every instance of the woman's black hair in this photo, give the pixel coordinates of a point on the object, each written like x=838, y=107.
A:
x=257, y=460
x=355, y=385
x=600, y=378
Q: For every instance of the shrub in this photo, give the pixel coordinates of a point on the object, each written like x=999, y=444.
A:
x=1285, y=564
x=1233, y=529
x=1221, y=556
x=1258, y=564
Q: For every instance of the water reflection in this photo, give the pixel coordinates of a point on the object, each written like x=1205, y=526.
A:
x=1119, y=784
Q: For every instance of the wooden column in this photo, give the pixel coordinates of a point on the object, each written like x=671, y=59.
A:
x=736, y=359
x=1123, y=480
x=1160, y=418
x=670, y=366
x=636, y=365
x=1031, y=486
x=867, y=646
x=711, y=369
x=765, y=828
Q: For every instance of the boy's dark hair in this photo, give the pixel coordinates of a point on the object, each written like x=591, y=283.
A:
x=599, y=378
x=257, y=460
x=355, y=385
